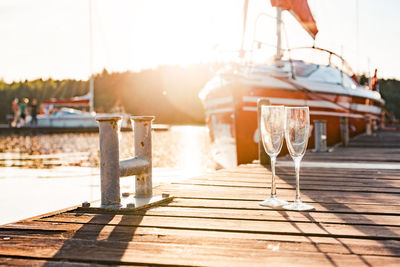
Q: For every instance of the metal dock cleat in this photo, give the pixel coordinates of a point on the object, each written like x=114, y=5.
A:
x=112, y=168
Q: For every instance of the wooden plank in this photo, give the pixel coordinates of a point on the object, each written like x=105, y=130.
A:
x=255, y=169
x=273, y=215
x=304, y=186
x=320, y=177
x=142, y=233
x=335, y=208
x=356, y=170
x=261, y=171
x=252, y=176
x=100, y=251
x=33, y=262
x=305, y=179
x=352, y=154
x=209, y=238
x=288, y=184
x=258, y=194
x=237, y=225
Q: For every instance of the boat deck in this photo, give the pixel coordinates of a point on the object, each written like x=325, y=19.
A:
x=216, y=220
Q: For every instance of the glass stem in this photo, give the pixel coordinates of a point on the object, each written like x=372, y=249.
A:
x=297, y=168
x=273, y=185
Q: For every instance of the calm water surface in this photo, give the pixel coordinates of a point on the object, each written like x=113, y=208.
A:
x=180, y=147
x=44, y=173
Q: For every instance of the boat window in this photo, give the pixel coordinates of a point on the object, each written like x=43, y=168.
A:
x=67, y=112
x=304, y=70
x=348, y=82
x=61, y=113
x=326, y=74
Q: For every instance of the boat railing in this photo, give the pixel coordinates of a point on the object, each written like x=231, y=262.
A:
x=333, y=60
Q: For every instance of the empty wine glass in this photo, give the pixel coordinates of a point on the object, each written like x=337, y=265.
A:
x=297, y=125
x=272, y=134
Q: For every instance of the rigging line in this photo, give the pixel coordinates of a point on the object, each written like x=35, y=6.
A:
x=91, y=81
x=293, y=74
x=245, y=9
x=357, y=38
x=90, y=37
x=104, y=39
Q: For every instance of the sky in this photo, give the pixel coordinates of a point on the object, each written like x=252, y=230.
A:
x=47, y=38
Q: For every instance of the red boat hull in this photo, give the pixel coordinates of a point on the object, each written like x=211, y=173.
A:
x=233, y=109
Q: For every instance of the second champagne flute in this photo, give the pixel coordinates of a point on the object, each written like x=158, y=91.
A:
x=297, y=132
x=272, y=134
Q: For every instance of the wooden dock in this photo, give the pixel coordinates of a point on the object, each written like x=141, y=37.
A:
x=215, y=220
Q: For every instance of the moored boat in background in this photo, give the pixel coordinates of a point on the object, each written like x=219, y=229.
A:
x=67, y=118
x=67, y=113
x=330, y=90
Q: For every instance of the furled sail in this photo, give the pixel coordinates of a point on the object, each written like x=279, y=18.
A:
x=301, y=11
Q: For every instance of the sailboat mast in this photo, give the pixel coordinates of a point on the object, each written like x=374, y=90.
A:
x=91, y=83
x=245, y=9
x=278, y=33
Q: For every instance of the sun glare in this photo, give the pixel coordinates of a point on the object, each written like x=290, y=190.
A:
x=135, y=35
x=129, y=35
x=164, y=32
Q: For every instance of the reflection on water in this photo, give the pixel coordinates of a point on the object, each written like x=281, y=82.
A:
x=194, y=154
x=183, y=147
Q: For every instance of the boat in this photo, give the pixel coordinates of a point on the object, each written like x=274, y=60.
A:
x=66, y=113
x=71, y=114
x=330, y=90
x=67, y=118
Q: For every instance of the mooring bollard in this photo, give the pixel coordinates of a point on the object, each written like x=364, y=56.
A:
x=383, y=121
x=375, y=126
x=368, y=130
x=344, y=131
x=141, y=165
x=320, y=136
x=109, y=161
x=111, y=168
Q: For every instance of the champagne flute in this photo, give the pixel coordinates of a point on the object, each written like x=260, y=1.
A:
x=297, y=131
x=272, y=134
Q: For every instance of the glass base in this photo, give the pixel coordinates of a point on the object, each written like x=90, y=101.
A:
x=297, y=205
x=273, y=202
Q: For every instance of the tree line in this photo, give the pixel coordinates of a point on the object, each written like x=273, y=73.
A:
x=390, y=91
x=168, y=92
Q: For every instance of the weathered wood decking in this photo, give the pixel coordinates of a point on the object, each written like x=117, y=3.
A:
x=216, y=220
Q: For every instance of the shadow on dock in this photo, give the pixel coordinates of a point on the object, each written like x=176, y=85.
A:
x=382, y=147
x=107, y=232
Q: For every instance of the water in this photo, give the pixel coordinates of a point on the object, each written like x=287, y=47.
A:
x=183, y=147
x=44, y=173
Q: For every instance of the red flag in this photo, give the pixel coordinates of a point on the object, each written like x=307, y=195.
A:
x=301, y=11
